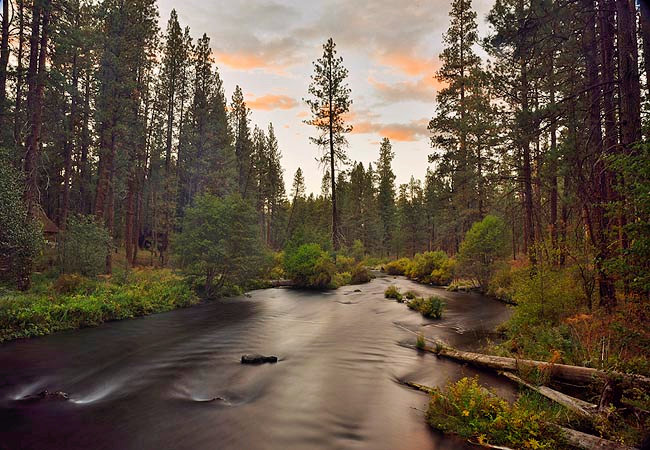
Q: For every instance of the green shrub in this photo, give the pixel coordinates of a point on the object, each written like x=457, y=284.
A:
x=309, y=266
x=397, y=267
x=342, y=279
x=467, y=409
x=430, y=267
x=410, y=295
x=431, y=307
x=484, y=246
x=393, y=292
x=84, y=246
x=420, y=343
x=360, y=274
x=220, y=243
x=344, y=263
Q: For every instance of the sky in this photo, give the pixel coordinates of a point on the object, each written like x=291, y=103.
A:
x=390, y=48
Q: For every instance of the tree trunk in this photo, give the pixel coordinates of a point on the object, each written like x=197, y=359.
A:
x=628, y=70
x=645, y=37
x=4, y=62
x=36, y=77
x=19, y=74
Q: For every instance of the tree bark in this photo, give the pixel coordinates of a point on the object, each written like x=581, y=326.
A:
x=4, y=62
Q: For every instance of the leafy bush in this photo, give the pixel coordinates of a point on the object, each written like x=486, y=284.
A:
x=393, y=292
x=342, y=279
x=309, y=266
x=360, y=274
x=430, y=267
x=357, y=251
x=410, y=295
x=397, y=267
x=431, y=307
x=220, y=242
x=344, y=263
x=467, y=409
x=484, y=246
x=84, y=246
x=21, y=239
x=42, y=311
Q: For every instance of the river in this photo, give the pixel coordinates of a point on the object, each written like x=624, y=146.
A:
x=149, y=383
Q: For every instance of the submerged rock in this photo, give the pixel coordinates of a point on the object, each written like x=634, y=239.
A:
x=46, y=395
x=258, y=359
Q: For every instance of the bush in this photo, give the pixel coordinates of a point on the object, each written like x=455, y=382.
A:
x=20, y=240
x=420, y=343
x=309, y=266
x=393, y=292
x=342, y=279
x=360, y=274
x=467, y=409
x=84, y=246
x=431, y=307
x=397, y=267
x=410, y=295
x=430, y=268
x=220, y=243
x=344, y=263
x=485, y=244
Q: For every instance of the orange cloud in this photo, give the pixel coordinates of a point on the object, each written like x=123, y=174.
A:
x=401, y=132
x=424, y=89
x=270, y=102
x=247, y=61
x=410, y=65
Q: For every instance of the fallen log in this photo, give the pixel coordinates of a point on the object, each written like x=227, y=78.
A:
x=579, y=407
x=560, y=371
x=589, y=441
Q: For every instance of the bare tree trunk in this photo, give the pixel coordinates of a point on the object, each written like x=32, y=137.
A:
x=19, y=74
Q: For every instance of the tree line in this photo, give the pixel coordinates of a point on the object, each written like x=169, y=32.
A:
x=103, y=114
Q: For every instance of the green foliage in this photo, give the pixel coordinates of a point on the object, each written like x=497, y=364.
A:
x=467, y=409
x=344, y=263
x=20, y=237
x=431, y=268
x=360, y=274
x=397, y=267
x=485, y=244
x=431, y=307
x=420, y=343
x=43, y=311
x=220, y=241
x=410, y=295
x=84, y=246
x=392, y=291
x=357, y=251
x=309, y=266
x=633, y=263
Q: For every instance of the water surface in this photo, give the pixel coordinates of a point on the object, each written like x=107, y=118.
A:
x=174, y=380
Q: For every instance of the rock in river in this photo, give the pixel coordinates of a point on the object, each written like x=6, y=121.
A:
x=258, y=359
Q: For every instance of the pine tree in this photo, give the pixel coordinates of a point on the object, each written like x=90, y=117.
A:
x=239, y=121
x=329, y=103
x=386, y=195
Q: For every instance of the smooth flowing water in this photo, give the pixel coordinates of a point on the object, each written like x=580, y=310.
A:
x=174, y=380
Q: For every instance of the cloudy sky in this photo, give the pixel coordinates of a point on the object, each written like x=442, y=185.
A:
x=390, y=48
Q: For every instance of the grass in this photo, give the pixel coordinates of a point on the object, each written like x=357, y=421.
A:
x=420, y=343
x=71, y=302
x=474, y=413
x=393, y=292
x=431, y=307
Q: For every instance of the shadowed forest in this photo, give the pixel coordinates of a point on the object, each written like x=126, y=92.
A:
x=132, y=183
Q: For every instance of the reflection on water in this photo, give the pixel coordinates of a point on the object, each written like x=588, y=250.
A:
x=174, y=380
